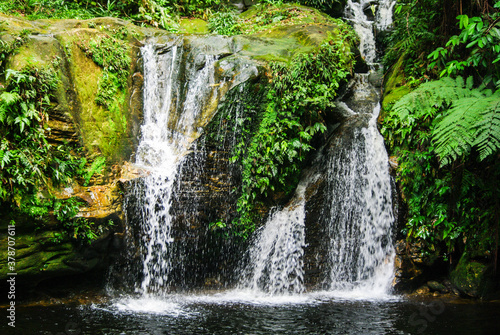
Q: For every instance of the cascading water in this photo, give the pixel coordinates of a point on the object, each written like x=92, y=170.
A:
x=361, y=254
x=358, y=207
x=167, y=132
x=276, y=265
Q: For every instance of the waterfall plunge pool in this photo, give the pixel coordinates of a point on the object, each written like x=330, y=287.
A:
x=237, y=312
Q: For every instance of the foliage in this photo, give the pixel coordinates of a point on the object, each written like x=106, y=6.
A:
x=112, y=55
x=97, y=166
x=475, y=51
x=26, y=157
x=60, y=9
x=30, y=165
x=224, y=23
x=436, y=131
x=415, y=30
x=332, y=7
x=298, y=97
x=465, y=118
x=77, y=228
x=471, y=123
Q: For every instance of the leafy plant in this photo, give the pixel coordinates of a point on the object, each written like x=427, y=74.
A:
x=465, y=118
x=436, y=131
x=224, y=23
x=299, y=95
x=97, y=166
x=475, y=51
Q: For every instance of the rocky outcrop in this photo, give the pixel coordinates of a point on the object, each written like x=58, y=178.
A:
x=208, y=181
x=44, y=247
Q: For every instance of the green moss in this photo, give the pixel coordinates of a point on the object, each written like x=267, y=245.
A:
x=472, y=278
x=394, y=87
x=262, y=17
x=102, y=109
x=193, y=26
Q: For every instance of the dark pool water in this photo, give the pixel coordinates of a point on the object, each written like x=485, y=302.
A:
x=226, y=315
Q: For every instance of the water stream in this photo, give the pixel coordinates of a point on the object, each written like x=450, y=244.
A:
x=167, y=133
x=358, y=206
x=357, y=210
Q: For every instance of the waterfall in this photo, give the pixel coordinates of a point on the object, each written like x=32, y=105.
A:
x=357, y=210
x=169, y=127
x=276, y=265
x=360, y=252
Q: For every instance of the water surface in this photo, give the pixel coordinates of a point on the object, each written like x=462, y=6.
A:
x=235, y=313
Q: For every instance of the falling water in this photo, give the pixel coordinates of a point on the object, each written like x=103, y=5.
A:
x=167, y=131
x=360, y=214
x=358, y=207
x=361, y=253
x=364, y=15
x=276, y=265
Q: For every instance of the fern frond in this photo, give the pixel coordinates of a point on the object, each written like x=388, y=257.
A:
x=487, y=128
x=472, y=122
x=453, y=136
x=7, y=99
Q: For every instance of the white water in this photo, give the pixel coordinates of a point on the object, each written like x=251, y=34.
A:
x=360, y=253
x=355, y=12
x=276, y=265
x=276, y=274
x=167, y=132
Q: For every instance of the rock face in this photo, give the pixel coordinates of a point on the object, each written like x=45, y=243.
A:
x=207, y=185
x=43, y=249
x=474, y=278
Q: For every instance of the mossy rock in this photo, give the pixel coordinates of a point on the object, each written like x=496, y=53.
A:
x=193, y=26
x=473, y=278
x=394, y=87
x=264, y=17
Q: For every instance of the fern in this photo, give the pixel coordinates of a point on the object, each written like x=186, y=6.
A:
x=462, y=118
x=424, y=103
x=487, y=129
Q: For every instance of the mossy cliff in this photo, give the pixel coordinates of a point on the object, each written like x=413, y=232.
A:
x=96, y=112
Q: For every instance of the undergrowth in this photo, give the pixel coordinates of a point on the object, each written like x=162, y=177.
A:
x=299, y=95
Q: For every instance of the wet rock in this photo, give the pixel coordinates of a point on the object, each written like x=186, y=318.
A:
x=437, y=287
x=422, y=290
x=473, y=278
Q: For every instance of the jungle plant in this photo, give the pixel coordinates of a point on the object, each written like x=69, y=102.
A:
x=437, y=131
x=26, y=157
x=475, y=51
x=30, y=165
x=297, y=99
x=224, y=23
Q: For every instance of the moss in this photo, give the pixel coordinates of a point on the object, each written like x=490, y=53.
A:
x=35, y=251
x=103, y=129
x=472, y=277
x=193, y=26
x=268, y=17
x=394, y=87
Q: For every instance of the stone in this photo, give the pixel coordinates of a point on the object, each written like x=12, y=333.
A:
x=437, y=287
x=472, y=278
